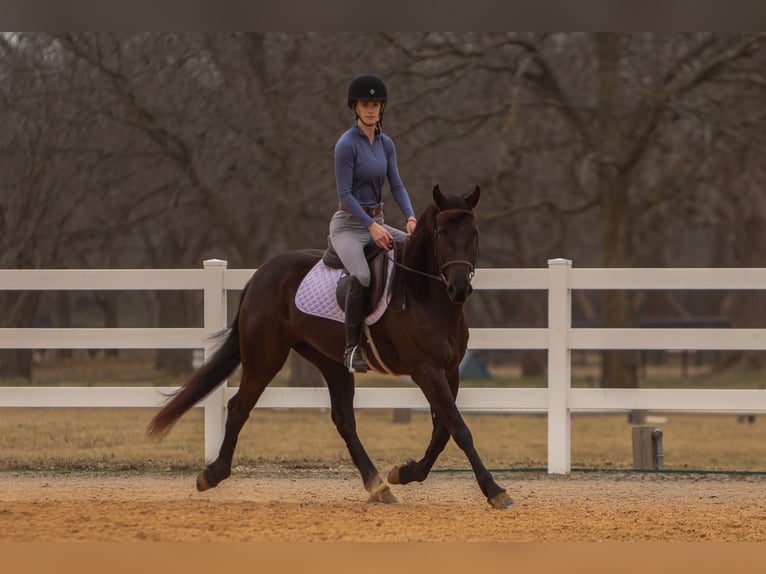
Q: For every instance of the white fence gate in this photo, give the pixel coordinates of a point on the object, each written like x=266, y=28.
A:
x=559, y=338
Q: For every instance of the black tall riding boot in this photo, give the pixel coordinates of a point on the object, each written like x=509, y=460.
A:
x=353, y=357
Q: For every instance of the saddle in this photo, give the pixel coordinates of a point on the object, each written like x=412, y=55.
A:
x=377, y=261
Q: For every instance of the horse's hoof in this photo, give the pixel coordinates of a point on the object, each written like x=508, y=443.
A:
x=500, y=500
x=393, y=476
x=202, y=484
x=382, y=494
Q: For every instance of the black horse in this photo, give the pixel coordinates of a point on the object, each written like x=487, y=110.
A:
x=423, y=334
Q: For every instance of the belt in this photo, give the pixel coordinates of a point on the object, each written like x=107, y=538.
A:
x=372, y=211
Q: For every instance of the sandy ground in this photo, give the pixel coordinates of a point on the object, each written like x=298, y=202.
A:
x=311, y=506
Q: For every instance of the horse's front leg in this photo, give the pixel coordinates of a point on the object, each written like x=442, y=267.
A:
x=419, y=470
x=436, y=388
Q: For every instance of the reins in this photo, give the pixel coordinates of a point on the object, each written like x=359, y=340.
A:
x=441, y=276
x=418, y=272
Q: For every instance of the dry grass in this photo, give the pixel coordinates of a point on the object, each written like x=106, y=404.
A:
x=115, y=438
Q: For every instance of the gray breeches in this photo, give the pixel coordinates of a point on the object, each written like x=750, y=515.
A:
x=348, y=238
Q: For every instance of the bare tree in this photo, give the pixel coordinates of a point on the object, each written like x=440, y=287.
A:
x=165, y=149
x=51, y=178
x=620, y=126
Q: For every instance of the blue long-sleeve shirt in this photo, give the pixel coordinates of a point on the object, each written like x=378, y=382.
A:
x=361, y=169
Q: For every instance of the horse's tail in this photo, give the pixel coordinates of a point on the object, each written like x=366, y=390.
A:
x=223, y=362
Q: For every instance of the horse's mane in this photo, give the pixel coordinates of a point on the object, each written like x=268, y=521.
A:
x=420, y=241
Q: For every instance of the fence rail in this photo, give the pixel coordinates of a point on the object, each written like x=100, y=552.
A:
x=559, y=400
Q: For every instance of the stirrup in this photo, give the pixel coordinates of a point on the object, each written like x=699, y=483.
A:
x=353, y=358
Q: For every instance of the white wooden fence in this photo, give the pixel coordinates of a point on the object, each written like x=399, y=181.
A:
x=559, y=338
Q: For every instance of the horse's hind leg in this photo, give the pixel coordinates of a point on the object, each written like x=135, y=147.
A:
x=341, y=386
x=256, y=375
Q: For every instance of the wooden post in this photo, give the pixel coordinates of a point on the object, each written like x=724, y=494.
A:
x=401, y=416
x=647, y=448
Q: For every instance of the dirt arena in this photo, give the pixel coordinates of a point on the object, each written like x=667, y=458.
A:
x=312, y=506
x=293, y=482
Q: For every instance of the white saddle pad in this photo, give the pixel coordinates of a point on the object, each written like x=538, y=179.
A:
x=316, y=294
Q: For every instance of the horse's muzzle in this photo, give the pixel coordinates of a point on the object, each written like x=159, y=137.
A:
x=458, y=279
x=459, y=294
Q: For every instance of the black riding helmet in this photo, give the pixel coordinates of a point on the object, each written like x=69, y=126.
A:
x=367, y=88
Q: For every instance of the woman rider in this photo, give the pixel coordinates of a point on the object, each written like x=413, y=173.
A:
x=364, y=158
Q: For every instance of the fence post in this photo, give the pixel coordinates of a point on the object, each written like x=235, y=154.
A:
x=215, y=317
x=559, y=366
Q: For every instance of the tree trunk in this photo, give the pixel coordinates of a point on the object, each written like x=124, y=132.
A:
x=618, y=368
x=533, y=361
x=108, y=304
x=64, y=319
x=746, y=309
x=21, y=311
x=173, y=311
x=16, y=364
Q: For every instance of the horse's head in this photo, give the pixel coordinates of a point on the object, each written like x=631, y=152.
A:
x=456, y=241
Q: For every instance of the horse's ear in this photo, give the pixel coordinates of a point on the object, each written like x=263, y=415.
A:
x=438, y=197
x=473, y=199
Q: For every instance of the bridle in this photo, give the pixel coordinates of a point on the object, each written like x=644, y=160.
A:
x=442, y=264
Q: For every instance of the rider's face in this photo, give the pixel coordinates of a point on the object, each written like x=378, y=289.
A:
x=368, y=112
